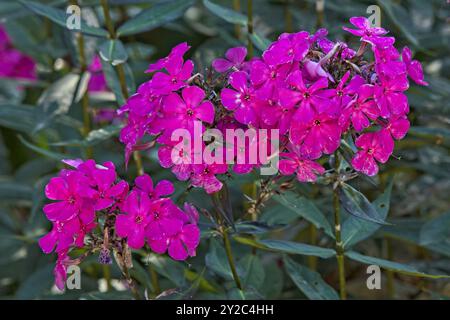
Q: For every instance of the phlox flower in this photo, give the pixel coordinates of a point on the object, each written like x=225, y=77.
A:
x=306, y=170
x=359, y=110
x=234, y=59
x=374, y=146
x=308, y=97
x=390, y=97
x=288, y=48
x=240, y=99
x=178, y=73
x=413, y=67
x=204, y=176
x=189, y=107
x=144, y=183
x=364, y=29
x=176, y=53
x=320, y=134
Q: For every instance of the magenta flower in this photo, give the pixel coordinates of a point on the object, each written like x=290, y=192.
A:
x=132, y=224
x=413, y=67
x=145, y=184
x=178, y=159
x=184, y=243
x=72, y=190
x=266, y=76
x=320, y=134
x=359, y=110
x=305, y=169
x=60, y=270
x=178, y=73
x=62, y=236
x=234, y=60
x=308, y=98
x=397, y=126
x=189, y=108
x=375, y=146
x=390, y=97
x=364, y=29
x=97, y=81
x=288, y=48
x=240, y=100
x=342, y=94
x=204, y=176
x=176, y=53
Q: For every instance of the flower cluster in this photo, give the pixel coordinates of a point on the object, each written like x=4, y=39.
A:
x=89, y=191
x=316, y=92
x=148, y=215
x=14, y=64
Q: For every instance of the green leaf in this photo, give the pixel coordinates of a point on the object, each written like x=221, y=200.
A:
x=355, y=229
x=112, y=80
x=226, y=14
x=260, y=41
x=45, y=152
x=154, y=17
x=12, y=190
x=113, y=51
x=289, y=247
x=60, y=17
x=391, y=265
x=216, y=261
x=17, y=117
x=252, y=227
x=355, y=203
x=56, y=100
x=309, y=282
x=397, y=14
x=254, y=271
x=93, y=138
x=436, y=230
x=37, y=283
x=306, y=209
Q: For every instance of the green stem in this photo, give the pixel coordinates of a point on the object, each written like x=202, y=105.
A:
x=155, y=281
x=107, y=276
x=227, y=244
x=249, y=28
x=390, y=274
x=337, y=229
x=320, y=6
x=85, y=98
x=288, y=25
x=121, y=75
x=312, y=261
x=237, y=27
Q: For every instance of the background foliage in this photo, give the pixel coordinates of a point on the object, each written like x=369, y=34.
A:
x=288, y=252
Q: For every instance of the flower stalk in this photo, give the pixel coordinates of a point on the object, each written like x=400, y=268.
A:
x=229, y=252
x=85, y=98
x=249, y=28
x=337, y=228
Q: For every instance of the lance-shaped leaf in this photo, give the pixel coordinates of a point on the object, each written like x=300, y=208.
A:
x=306, y=209
x=113, y=51
x=436, y=230
x=60, y=17
x=355, y=203
x=309, y=282
x=93, y=138
x=225, y=13
x=154, y=17
x=289, y=247
x=391, y=265
x=57, y=100
x=355, y=229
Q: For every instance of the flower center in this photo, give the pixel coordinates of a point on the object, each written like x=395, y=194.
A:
x=370, y=151
x=317, y=122
x=190, y=112
x=138, y=219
